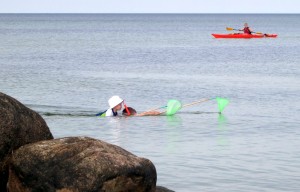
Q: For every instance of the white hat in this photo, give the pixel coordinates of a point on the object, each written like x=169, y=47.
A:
x=114, y=101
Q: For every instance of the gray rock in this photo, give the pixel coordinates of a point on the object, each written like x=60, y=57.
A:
x=19, y=125
x=79, y=164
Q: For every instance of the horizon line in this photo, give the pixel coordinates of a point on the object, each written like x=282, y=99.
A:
x=130, y=13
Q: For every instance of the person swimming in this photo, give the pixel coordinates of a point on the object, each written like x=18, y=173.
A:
x=115, y=104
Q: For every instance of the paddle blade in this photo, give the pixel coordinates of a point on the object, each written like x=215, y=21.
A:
x=229, y=28
x=172, y=107
x=222, y=103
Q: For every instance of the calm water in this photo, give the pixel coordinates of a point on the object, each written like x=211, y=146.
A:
x=66, y=67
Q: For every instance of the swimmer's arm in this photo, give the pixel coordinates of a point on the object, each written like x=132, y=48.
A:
x=149, y=113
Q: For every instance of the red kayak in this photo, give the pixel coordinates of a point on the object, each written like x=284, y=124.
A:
x=243, y=35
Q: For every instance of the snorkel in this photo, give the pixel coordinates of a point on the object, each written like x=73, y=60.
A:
x=128, y=112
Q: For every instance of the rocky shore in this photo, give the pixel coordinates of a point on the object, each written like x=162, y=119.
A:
x=32, y=160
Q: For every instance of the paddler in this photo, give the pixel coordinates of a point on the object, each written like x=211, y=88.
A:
x=247, y=29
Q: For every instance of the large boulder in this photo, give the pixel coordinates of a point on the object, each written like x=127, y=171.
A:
x=19, y=125
x=76, y=164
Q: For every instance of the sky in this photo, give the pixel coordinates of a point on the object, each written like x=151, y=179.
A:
x=149, y=6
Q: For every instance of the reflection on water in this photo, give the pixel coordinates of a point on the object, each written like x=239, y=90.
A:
x=222, y=129
x=116, y=124
x=173, y=132
x=174, y=120
x=222, y=120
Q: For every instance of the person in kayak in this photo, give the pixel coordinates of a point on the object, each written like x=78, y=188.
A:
x=115, y=105
x=133, y=112
x=247, y=29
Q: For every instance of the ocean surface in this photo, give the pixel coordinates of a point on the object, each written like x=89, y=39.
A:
x=66, y=67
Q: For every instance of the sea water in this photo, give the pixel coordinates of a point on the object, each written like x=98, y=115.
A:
x=66, y=67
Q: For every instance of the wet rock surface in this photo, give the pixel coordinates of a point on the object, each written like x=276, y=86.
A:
x=79, y=164
x=19, y=125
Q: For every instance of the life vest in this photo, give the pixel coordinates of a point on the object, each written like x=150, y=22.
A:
x=247, y=30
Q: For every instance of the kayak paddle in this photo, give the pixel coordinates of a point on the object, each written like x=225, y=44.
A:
x=231, y=29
